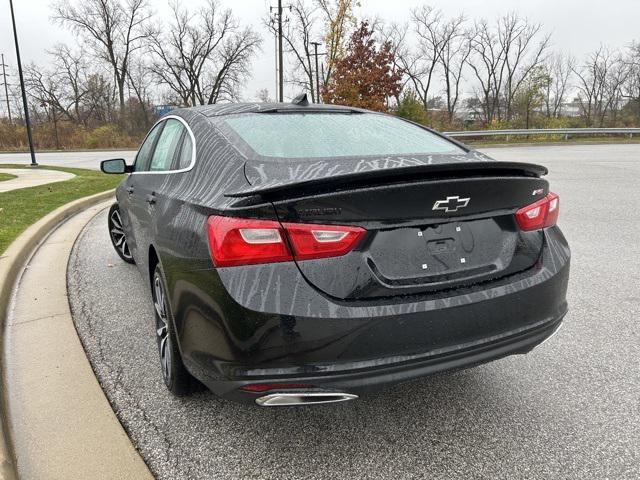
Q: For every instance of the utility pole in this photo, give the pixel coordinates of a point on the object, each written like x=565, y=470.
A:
x=275, y=51
x=24, y=92
x=280, y=59
x=279, y=53
x=315, y=48
x=6, y=88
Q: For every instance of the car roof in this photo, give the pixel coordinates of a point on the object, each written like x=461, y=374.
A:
x=221, y=109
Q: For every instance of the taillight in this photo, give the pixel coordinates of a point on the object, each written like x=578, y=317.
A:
x=241, y=241
x=320, y=241
x=540, y=214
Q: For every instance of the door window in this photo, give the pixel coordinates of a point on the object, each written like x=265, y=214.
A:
x=186, y=152
x=167, y=146
x=144, y=154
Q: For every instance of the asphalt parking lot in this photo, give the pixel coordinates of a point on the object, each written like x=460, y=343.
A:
x=570, y=409
x=90, y=159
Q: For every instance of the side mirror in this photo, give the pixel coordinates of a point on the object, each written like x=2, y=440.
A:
x=116, y=165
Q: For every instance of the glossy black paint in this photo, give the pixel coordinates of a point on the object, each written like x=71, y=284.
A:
x=369, y=318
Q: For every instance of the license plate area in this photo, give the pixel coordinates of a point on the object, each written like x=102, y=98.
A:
x=462, y=246
x=444, y=253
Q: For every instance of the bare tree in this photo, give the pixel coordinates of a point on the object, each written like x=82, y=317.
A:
x=522, y=54
x=453, y=58
x=631, y=88
x=442, y=50
x=503, y=58
x=100, y=99
x=62, y=86
x=559, y=68
x=203, y=57
x=396, y=36
x=600, y=81
x=487, y=57
x=420, y=64
x=113, y=29
x=140, y=79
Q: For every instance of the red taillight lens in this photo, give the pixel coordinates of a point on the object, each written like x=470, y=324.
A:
x=541, y=214
x=320, y=241
x=553, y=210
x=241, y=241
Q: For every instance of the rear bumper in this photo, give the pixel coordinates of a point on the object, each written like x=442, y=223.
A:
x=243, y=331
x=367, y=379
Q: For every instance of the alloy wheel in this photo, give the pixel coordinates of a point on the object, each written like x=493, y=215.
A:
x=118, y=236
x=162, y=328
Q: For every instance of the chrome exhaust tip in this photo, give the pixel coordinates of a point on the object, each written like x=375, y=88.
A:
x=302, y=398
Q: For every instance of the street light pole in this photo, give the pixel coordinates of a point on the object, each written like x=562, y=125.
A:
x=24, y=92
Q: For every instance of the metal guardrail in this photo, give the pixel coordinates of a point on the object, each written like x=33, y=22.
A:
x=567, y=132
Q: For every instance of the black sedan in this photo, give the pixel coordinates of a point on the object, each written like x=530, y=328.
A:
x=302, y=254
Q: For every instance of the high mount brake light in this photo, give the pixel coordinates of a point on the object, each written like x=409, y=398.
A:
x=540, y=214
x=242, y=241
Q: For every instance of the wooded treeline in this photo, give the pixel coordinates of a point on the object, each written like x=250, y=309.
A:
x=448, y=72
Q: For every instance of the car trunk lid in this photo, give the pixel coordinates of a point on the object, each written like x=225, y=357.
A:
x=430, y=226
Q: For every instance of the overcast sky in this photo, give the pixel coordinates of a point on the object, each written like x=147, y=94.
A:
x=578, y=26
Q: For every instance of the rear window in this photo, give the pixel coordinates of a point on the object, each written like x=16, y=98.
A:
x=312, y=135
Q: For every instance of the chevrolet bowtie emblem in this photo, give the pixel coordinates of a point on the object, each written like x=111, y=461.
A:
x=451, y=204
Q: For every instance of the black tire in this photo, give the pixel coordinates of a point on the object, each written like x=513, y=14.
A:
x=176, y=377
x=117, y=235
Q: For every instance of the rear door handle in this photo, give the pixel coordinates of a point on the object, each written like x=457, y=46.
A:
x=151, y=199
x=129, y=190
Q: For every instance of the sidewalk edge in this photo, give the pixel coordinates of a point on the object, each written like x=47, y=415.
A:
x=11, y=263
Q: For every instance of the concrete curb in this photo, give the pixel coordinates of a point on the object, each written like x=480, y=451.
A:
x=11, y=264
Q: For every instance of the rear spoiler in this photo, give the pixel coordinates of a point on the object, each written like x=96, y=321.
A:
x=424, y=171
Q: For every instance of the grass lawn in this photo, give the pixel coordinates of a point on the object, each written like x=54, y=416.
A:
x=6, y=176
x=20, y=208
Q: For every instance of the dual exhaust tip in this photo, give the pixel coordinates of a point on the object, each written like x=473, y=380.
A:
x=290, y=399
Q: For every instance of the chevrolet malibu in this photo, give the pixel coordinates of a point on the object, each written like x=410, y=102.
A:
x=304, y=254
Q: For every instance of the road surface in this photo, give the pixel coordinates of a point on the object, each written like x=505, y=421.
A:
x=570, y=409
x=89, y=159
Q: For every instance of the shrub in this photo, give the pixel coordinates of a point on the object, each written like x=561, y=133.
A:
x=410, y=107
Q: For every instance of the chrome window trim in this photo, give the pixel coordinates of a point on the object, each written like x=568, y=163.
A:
x=193, y=150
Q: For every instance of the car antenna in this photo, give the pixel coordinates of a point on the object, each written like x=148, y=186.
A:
x=301, y=100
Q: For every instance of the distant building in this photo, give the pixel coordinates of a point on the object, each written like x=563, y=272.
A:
x=162, y=110
x=571, y=109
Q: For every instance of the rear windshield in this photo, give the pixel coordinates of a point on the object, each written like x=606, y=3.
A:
x=312, y=135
